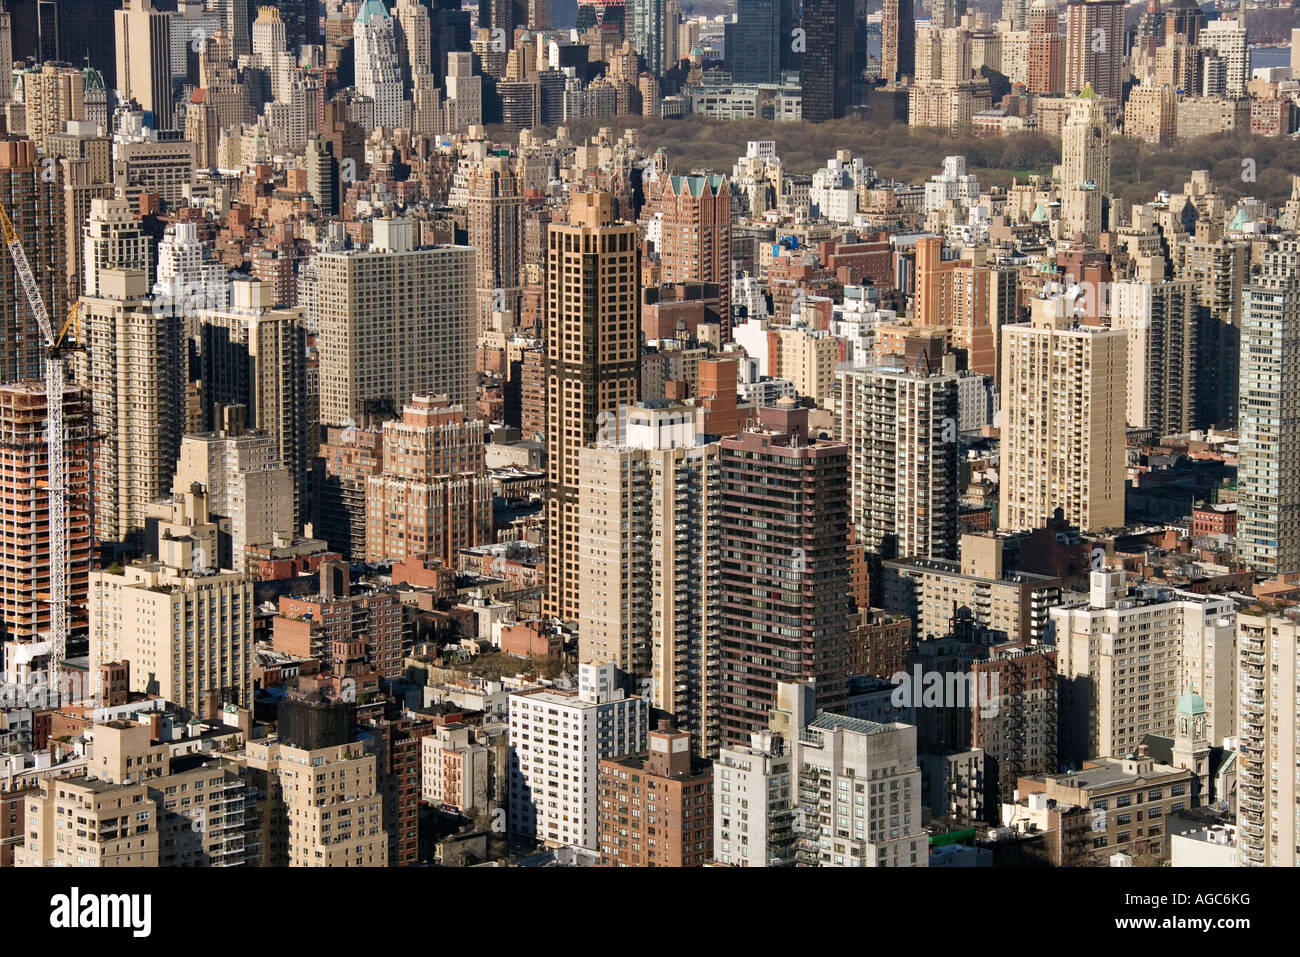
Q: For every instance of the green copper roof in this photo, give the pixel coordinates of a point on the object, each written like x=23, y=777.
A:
x=1190, y=703
x=696, y=184
x=1088, y=93
x=369, y=10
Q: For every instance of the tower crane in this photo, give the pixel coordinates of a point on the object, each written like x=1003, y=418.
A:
x=56, y=468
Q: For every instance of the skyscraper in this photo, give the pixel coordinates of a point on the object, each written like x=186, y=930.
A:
x=144, y=73
x=378, y=70
x=25, y=505
x=901, y=429
x=827, y=59
x=593, y=322
x=35, y=204
x=695, y=244
x=1269, y=665
x=1094, y=47
x=6, y=54
x=255, y=356
x=754, y=46
x=1085, y=168
x=648, y=33
x=382, y=340
x=495, y=221
x=1159, y=316
x=784, y=569
x=135, y=367
x=414, y=40
x=1063, y=388
x=648, y=553
x=1268, y=415
x=897, y=40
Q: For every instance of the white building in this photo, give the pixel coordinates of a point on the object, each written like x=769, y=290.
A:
x=378, y=72
x=859, y=797
x=187, y=279
x=753, y=803
x=1124, y=657
x=557, y=741
x=1206, y=847
x=1228, y=39
x=953, y=185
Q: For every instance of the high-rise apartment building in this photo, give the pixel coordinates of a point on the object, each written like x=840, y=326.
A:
x=1015, y=725
x=120, y=829
x=753, y=803
x=1219, y=269
x=378, y=67
x=1268, y=800
x=695, y=236
x=593, y=340
x=254, y=355
x=114, y=239
x=1268, y=415
x=135, y=367
x=1063, y=405
x=1085, y=167
x=1094, y=47
x=52, y=96
x=1227, y=38
x=246, y=481
x=840, y=760
x=656, y=808
x=348, y=457
x=897, y=40
x=25, y=507
x=827, y=59
x=784, y=570
x=901, y=430
x=972, y=299
x=133, y=795
x=32, y=194
x=144, y=72
x=185, y=627
x=382, y=338
x=496, y=231
x=433, y=496
x=1160, y=319
x=1120, y=658
x=926, y=591
x=557, y=741
x=1046, y=49
x=321, y=804
x=648, y=552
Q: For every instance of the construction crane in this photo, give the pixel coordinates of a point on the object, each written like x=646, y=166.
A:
x=56, y=469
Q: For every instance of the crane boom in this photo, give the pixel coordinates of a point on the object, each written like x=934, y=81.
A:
x=56, y=469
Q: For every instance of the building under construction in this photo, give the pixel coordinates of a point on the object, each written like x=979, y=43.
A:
x=25, y=508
